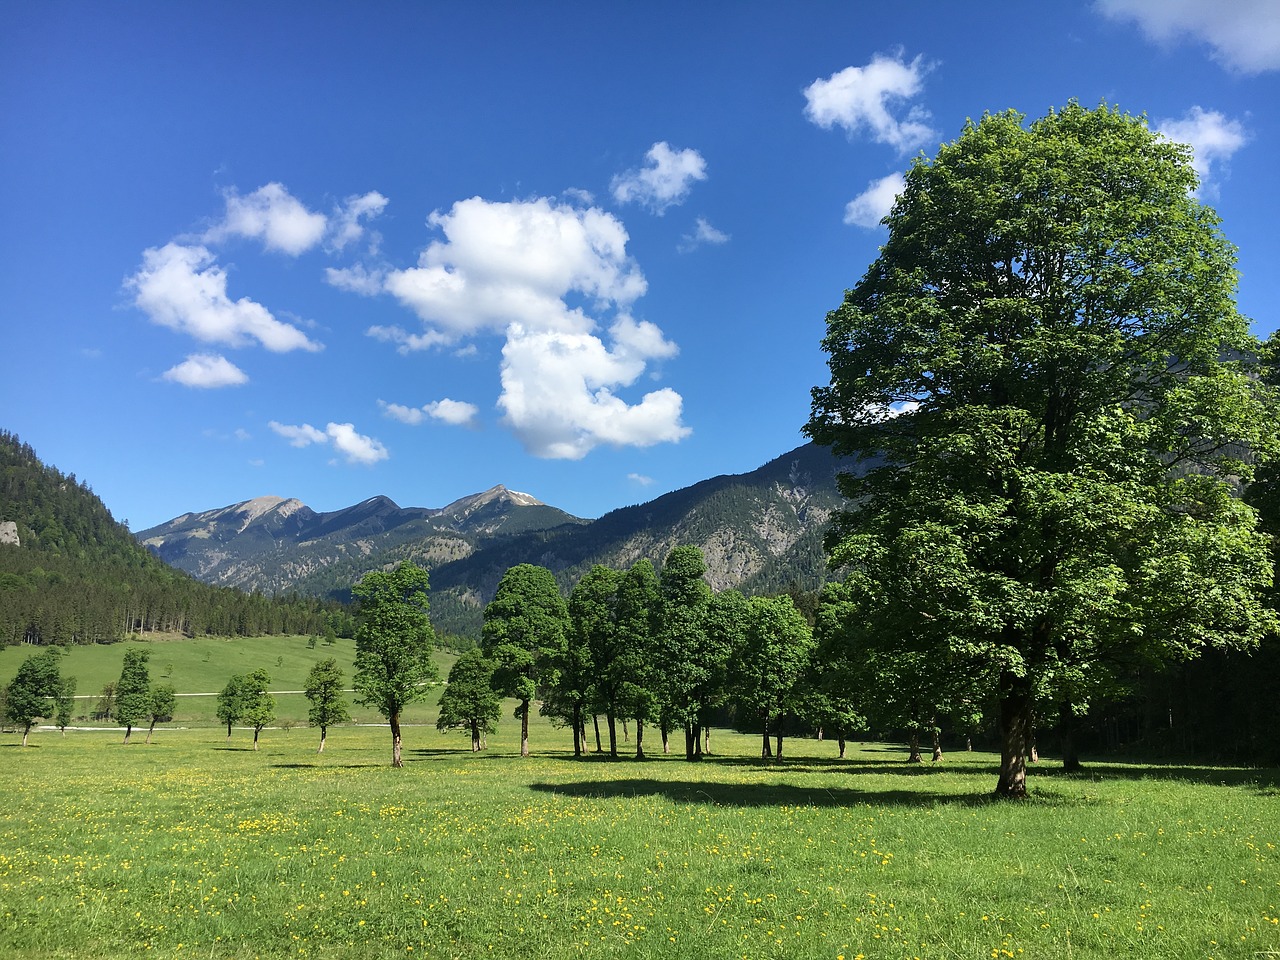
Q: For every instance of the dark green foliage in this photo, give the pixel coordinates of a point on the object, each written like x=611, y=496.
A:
x=257, y=705
x=78, y=576
x=163, y=703
x=524, y=634
x=468, y=701
x=1054, y=508
x=394, y=641
x=324, y=691
x=34, y=691
x=133, y=690
x=775, y=651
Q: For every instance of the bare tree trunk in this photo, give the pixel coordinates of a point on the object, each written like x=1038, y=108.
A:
x=25, y=731
x=150, y=730
x=396, y=760
x=127, y=731
x=937, y=744
x=626, y=734
x=1015, y=728
x=256, y=731
x=777, y=752
x=639, y=739
x=324, y=733
x=914, y=747
x=595, y=719
x=842, y=748
x=475, y=735
x=612, y=723
x=524, y=728
x=706, y=739
x=766, y=751
x=576, y=722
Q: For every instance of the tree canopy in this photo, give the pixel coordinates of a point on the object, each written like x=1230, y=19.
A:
x=394, y=642
x=1055, y=401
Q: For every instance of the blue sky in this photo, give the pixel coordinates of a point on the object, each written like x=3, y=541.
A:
x=586, y=250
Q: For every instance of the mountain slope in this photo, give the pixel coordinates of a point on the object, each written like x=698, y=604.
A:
x=69, y=573
x=275, y=544
x=759, y=531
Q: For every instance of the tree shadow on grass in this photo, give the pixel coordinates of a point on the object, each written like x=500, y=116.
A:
x=1263, y=779
x=754, y=794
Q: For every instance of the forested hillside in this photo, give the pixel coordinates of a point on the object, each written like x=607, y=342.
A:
x=76, y=575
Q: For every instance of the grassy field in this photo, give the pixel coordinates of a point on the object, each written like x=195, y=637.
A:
x=192, y=846
x=199, y=668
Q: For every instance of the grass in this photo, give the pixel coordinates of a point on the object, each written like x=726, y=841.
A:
x=193, y=846
x=199, y=668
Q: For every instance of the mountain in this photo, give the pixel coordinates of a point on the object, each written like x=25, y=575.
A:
x=759, y=531
x=70, y=573
x=275, y=544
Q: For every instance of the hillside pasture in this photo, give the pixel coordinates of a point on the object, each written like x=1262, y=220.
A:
x=195, y=846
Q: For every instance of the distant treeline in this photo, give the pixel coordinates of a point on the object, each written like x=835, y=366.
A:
x=78, y=576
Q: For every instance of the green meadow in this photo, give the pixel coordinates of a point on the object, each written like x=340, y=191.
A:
x=193, y=846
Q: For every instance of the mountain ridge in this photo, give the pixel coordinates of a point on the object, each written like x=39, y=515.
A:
x=760, y=531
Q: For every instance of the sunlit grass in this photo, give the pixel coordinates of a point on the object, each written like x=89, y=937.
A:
x=188, y=846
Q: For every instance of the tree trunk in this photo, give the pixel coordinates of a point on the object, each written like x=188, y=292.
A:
x=577, y=731
x=127, y=731
x=524, y=728
x=841, y=748
x=937, y=744
x=324, y=732
x=766, y=751
x=256, y=731
x=396, y=760
x=25, y=731
x=706, y=739
x=613, y=735
x=595, y=719
x=639, y=739
x=1070, y=751
x=914, y=746
x=228, y=731
x=666, y=739
x=626, y=734
x=1015, y=729
x=150, y=730
x=697, y=741
x=777, y=751
x=688, y=741
x=475, y=735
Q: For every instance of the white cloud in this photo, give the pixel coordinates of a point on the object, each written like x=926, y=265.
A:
x=558, y=393
x=540, y=272
x=1244, y=34
x=703, y=234
x=517, y=262
x=355, y=447
x=356, y=279
x=455, y=412
x=873, y=204
x=183, y=288
x=459, y=413
x=274, y=216
x=346, y=226
x=664, y=181
x=640, y=478
x=858, y=98
x=206, y=370
x=1212, y=137
x=299, y=436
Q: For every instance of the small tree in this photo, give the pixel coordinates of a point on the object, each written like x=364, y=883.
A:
x=777, y=649
x=324, y=690
x=394, y=642
x=106, y=704
x=65, y=701
x=163, y=703
x=258, y=706
x=524, y=631
x=33, y=691
x=133, y=690
x=468, y=701
x=231, y=703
